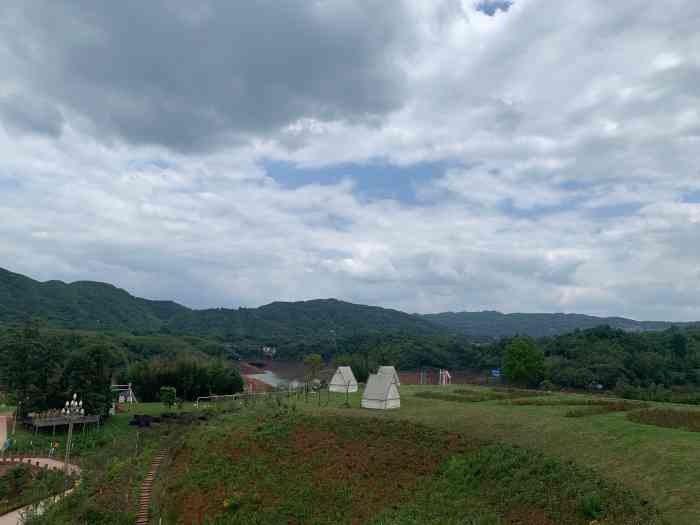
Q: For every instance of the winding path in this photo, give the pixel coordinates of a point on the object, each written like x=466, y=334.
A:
x=15, y=517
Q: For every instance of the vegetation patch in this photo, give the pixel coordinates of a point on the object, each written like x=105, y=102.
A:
x=502, y=484
x=114, y=462
x=283, y=467
x=627, y=405
x=606, y=408
x=288, y=468
x=22, y=485
x=662, y=417
x=464, y=395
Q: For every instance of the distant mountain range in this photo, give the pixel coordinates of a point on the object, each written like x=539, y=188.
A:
x=90, y=305
x=497, y=324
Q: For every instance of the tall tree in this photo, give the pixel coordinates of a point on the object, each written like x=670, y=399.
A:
x=523, y=362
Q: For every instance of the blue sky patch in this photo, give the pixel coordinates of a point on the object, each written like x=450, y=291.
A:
x=491, y=7
x=692, y=197
x=372, y=181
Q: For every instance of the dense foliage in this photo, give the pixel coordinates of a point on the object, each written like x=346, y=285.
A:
x=190, y=378
x=636, y=362
x=42, y=371
x=42, y=367
x=523, y=362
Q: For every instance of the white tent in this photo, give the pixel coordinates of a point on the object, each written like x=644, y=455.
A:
x=381, y=393
x=391, y=372
x=343, y=380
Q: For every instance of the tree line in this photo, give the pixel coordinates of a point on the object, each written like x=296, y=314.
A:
x=41, y=369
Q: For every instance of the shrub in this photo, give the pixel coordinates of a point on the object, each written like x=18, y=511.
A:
x=591, y=506
x=168, y=395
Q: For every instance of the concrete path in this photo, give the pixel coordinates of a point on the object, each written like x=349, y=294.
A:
x=15, y=517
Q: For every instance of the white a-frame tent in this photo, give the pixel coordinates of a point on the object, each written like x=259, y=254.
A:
x=381, y=393
x=391, y=372
x=343, y=380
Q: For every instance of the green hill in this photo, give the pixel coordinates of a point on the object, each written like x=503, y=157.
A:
x=90, y=305
x=80, y=305
x=497, y=324
x=98, y=306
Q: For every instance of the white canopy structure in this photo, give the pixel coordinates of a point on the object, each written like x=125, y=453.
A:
x=391, y=372
x=343, y=380
x=125, y=393
x=381, y=393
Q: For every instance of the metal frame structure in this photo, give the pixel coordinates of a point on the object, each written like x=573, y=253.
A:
x=130, y=396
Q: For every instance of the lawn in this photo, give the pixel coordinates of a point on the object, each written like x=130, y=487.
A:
x=662, y=464
x=276, y=465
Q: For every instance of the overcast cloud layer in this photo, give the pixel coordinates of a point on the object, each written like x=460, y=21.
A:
x=186, y=152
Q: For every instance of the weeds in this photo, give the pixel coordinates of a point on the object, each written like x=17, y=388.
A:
x=463, y=395
x=282, y=467
x=668, y=418
x=605, y=408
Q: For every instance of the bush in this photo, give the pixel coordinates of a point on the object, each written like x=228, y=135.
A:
x=168, y=395
x=591, y=506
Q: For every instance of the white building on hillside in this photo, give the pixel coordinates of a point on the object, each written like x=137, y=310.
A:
x=391, y=372
x=381, y=393
x=343, y=380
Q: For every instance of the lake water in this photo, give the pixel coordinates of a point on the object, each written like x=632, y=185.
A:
x=280, y=373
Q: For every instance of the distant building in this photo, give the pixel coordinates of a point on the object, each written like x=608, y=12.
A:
x=381, y=393
x=343, y=380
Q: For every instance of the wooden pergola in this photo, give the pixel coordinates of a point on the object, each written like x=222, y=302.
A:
x=37, y=423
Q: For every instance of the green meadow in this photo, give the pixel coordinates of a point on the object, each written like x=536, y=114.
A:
x=456, y=455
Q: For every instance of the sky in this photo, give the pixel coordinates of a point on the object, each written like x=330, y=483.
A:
x=531, y=156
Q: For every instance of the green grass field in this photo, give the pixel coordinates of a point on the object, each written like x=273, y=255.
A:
x=659, y=465
x=662, y=464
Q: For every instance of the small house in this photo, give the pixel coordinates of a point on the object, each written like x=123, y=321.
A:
x=391, y=372
x=343, y=380
x=381, y=393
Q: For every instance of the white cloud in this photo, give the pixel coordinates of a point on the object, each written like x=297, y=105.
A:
x=573, y=141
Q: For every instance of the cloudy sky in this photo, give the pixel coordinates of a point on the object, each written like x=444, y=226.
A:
x=534, y=155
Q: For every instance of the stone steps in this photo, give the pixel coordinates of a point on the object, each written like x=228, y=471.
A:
x=147, y=488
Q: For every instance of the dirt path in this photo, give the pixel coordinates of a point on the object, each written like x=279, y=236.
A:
x=15, y=517
x=3, y=429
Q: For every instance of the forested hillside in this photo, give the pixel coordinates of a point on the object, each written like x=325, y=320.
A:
x=99, y=306
x=81, y=305
x=496, y=324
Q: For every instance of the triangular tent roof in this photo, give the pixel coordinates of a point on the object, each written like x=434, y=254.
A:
x=391, y=372
x=380, y=388
x=343, y=377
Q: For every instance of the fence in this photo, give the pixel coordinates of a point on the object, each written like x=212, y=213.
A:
x=431, y=376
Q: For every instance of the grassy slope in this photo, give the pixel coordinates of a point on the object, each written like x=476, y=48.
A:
x=276, y=466
x=662, y=464
x=114, y=461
